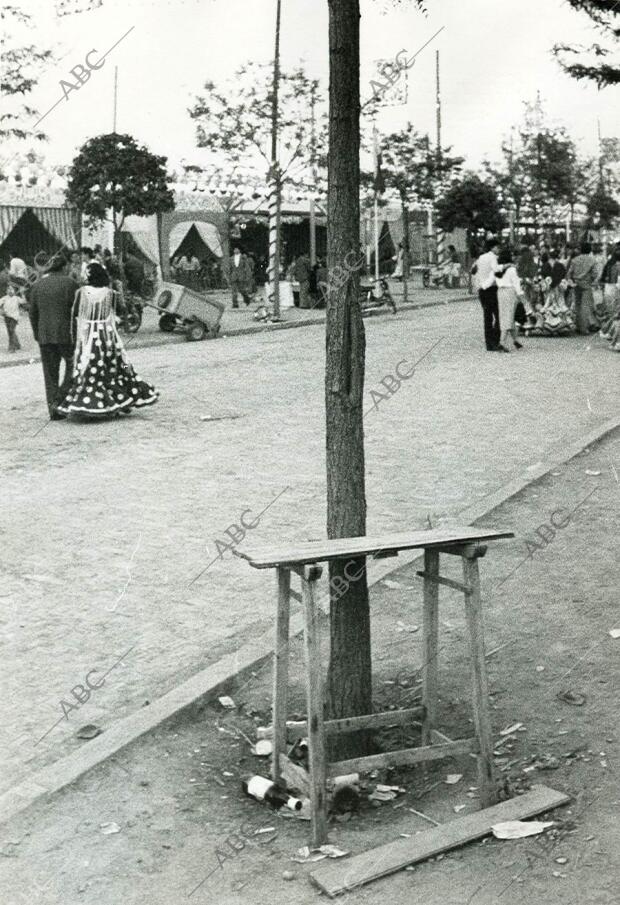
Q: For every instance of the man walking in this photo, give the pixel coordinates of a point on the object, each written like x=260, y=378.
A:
x=240, y=277
x=487, y=292
x=51, y=303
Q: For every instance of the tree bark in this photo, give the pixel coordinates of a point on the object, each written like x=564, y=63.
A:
x=349, y=675
x=406, y=254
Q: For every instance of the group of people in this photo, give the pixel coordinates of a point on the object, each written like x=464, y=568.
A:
x=17, y=279
x=547, y=293
x=310, y=278
x=72, y=308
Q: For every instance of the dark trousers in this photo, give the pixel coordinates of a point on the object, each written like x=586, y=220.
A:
x=490, y=311
x=244, y=292
x=11, y=329
x=51, y=356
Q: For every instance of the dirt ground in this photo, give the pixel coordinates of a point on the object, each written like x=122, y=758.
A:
x=175, y=797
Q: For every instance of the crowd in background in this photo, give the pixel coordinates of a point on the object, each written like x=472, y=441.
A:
x=17, y=278
x=547, y=291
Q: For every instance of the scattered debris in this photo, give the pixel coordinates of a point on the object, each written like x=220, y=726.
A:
x=307, y=854
x=89, y=731
x=614, y=633
x=592, y=472
x=424, y=816
x=459, y=807
x=227, y=703
x=572, y=697
x=262, y=748
x=108, y=829
x=519, y=829
x=548, y=762
x=392, y=585
x=561, y=860
x=452, y=778
x=385, y=793
x=288, y=875
x=501, y=647
x=510, y=729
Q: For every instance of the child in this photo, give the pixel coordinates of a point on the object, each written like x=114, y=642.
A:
x=9, y=307
x=380, y=294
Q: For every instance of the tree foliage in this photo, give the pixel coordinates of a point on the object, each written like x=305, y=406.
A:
x=540, y=169
x=412, y=168
x=596, y=62
x=471, y=204
x=234, y=122
x=603, y=209
x=113, y=173
x=21, y=64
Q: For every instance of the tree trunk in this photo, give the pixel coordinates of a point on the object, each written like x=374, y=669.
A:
x=349, y=676
x=406, y=254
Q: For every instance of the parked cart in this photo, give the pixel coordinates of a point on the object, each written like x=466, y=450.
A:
x=187, y=310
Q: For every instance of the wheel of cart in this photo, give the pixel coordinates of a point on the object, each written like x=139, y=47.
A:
x=187, y=310
x=167, y=323
x=195, y=330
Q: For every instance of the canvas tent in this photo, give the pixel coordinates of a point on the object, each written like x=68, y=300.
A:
x=27, y=229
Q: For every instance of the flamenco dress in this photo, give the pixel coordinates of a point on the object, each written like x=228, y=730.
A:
x=103, y=381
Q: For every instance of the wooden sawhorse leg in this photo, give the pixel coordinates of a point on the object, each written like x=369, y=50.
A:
x=280, y=670
x=317, y=762
x=430, y=623
x=482, y=721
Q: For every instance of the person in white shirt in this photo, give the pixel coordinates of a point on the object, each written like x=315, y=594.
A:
x=9, y=308
x=509, y=292
x=486, y=265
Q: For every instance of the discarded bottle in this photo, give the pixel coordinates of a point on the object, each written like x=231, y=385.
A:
x=266, y=790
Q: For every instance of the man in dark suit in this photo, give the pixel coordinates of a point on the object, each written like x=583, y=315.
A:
x=50, y=308
x=240, y=277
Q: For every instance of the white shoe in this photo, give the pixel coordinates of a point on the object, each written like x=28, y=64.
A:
x=616, y=347
x=604, y=335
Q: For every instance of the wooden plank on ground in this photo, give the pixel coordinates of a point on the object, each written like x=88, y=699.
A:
x=335, y=877
x=343, y=547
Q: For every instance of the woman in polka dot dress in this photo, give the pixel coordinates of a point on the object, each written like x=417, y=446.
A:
x=104, y=382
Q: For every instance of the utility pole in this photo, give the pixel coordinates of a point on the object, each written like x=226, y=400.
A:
x=441, y=238
x=275, y=197
x=115, y=98
x=375, y=144
x=314, y=174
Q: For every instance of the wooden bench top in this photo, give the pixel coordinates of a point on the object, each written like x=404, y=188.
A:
x=349, y=547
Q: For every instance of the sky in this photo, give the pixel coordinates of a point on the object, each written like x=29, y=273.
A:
x=493, y=56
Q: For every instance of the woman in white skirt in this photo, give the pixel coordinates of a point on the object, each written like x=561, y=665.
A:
x=509, y=293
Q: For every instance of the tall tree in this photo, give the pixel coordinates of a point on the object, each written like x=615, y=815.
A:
x=414, y=171
x=349, y=688
x=113, y=177
x=235, y=123
x=540, y=169
x=349, y=676
x=593, y=62
x=471, y=204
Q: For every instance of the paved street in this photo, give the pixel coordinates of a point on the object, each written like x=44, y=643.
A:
x=106, y=524
x=233, y=321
